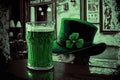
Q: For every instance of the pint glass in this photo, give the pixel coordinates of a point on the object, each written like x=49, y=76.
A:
x=39, y=37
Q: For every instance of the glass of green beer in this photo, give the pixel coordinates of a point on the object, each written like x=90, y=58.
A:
x=39, y=37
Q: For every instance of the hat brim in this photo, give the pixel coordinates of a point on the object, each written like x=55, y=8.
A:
x=93, y=49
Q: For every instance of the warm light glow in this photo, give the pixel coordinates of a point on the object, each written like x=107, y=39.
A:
x=12, y=24
x=11, y=34
x=18, y=24
x=40, y=9
x=49, y=9
x=42, y=13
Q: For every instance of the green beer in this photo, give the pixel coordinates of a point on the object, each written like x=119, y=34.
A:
x=39, y=41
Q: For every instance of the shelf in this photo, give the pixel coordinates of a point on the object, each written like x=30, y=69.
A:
x=41, y=3
x=14, y=27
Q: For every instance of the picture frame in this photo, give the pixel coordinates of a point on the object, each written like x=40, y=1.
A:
x=109, y=16
x=92, y=11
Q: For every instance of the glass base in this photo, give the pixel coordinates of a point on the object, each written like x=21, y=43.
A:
x=40, y=68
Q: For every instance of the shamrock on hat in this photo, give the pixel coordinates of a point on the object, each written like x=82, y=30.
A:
x=74, y=41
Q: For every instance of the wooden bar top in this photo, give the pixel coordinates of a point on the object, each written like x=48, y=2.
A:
x=61, y=71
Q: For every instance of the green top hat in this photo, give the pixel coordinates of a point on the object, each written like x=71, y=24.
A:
x=76, y=37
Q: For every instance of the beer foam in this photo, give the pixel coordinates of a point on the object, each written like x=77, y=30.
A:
x=40, y=29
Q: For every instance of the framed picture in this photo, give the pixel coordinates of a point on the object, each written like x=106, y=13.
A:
x=93, y=11
x=110, y=16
